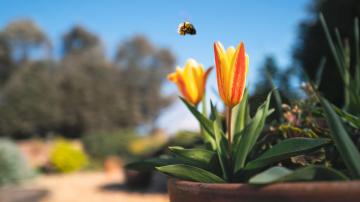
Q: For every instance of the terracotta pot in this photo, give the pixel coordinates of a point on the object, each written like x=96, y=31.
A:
x=181, y=191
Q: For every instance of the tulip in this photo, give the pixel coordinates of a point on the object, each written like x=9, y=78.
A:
x=191, y=81
x=231, y=71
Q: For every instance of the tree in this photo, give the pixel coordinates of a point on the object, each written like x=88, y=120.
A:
x=6, y=63
x=81, y=46
x=83, y=92
x=30, y=104
x=143, y=70
x=313, y=46
x=23, y=36
x=91, y=100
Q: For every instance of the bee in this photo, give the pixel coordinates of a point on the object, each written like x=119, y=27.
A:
x=186, y=28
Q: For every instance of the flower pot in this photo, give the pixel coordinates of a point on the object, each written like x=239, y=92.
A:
x=180, y=191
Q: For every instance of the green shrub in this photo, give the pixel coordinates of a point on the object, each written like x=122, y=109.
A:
x=185, y=138
x=66, y=157
x=13, y=167
x=99, y=145
x=147, y=146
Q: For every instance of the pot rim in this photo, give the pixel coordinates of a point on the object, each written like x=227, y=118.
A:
x=337, y=191
x=186, y=183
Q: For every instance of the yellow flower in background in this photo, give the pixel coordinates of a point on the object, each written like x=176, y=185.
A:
x=231, y=70
x=191, y=81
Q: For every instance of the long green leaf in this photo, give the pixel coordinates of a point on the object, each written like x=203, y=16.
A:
x=277, y=96
x=239, y=118
x=332, y=47
x=205, y=122
x=344, y=144
x=201, y=155
x=250, y=135
x=341, y=47
x=213, y=111
x=357, y=53
x=270, y=175
x=197, y=157
x=221, y=150
x=205, y=134
x=151, y=163
x=260, y=127
x=309, y=173
x=191, y=173
x=351, y=119
x=320, y=71
x=286, y=149
x=354, y=102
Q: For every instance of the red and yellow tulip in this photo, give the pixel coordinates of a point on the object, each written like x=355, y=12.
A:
x=231, y=71
x=191, y=81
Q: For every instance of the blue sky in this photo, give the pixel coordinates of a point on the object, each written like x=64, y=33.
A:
x=268, y=27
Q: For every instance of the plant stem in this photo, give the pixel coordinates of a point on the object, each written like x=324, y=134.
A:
x=228, y=125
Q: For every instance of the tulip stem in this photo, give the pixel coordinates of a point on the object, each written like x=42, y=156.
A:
x=228, y=125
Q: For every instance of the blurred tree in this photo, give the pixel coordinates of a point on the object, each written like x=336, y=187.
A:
x=89, y=85
x=312, y=44
x=143, y=70
x=30, y=104
x=92, y=100
x=23, y=36
x=83, y=92
x=81, y=46
x=5, y=59
x=270, y=76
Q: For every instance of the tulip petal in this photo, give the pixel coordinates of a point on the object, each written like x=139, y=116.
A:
x=172, y=77
x=239, y=76
x=219, y=52
x=182, y=87
x=190, y=79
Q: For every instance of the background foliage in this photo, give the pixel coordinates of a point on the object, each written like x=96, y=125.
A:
x=82, y=90
x=13, y=167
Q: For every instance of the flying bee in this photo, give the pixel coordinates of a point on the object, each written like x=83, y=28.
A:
x=186, y=28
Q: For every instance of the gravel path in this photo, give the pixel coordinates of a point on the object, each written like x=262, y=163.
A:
x=89, y=187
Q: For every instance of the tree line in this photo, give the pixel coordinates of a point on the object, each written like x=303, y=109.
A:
x=81, y=91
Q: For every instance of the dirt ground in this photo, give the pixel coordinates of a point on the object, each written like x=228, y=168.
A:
x=93, y=187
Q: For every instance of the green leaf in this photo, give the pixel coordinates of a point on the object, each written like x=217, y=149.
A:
x=205, y=122
x=344, y=144
x=213, y=111
x=240, y=114
x=309, y=173
x=286, y=149
x=251, y=133
x=351, y=119
x=197, y=157
x=337, y=58
x=237, y=136
x=201, y=155
x=320, y=71
x=191, y=173
x=357, y=53
x=221, y=149
x=270, y=175
x=277, y=96
x=151, y=163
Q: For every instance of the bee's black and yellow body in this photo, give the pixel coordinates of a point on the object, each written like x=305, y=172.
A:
x=186, y=28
